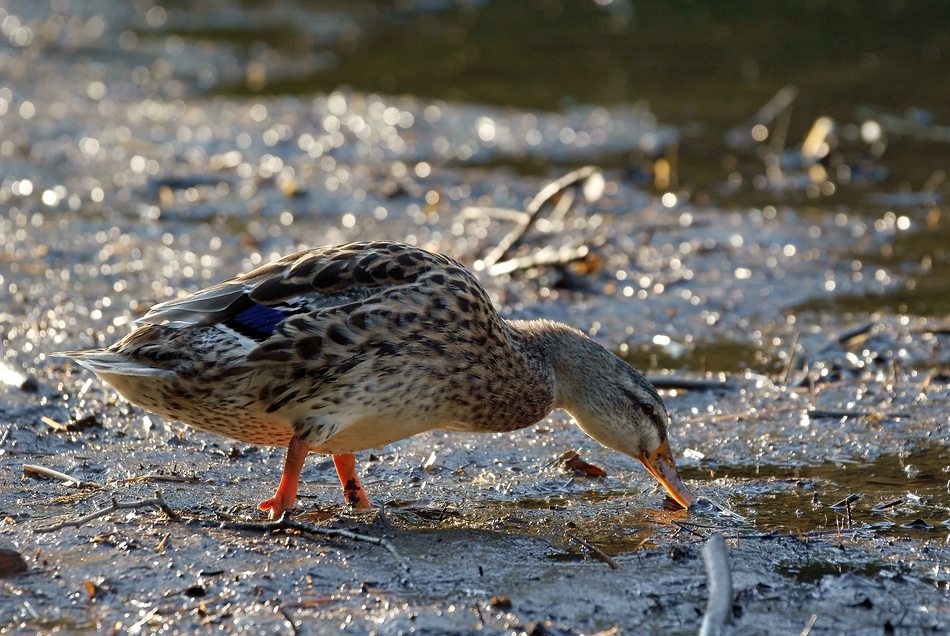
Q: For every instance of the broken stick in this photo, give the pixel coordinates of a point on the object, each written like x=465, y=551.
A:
x=286, y=523
x=719, y=604
x=158, y=501
x=593, y=549
x=546, y=193
x=68, y=480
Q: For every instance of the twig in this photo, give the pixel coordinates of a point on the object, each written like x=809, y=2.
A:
x=779, y=131
x=815, y=145
x=817, y=414
x=791, y=358
x=742, y=135
x=136, y=627
x=503, y=214
x=597, y=552
x=85, y=387
x=163, y=543
x=779, y=102
x=75, y=425
x=719, y=604
x=562, y=207
x=811, y=623
x=812, y=389
x=153, y=477
x=881, y=507
x=53, y=424
x=290, y=621
x=848, y=337
x=478, y=613
x=546, y=256
x=685, y=528
x=68, y=480
x=142, y=503
x=837, y=534
x=286, y=523
x=531, y=212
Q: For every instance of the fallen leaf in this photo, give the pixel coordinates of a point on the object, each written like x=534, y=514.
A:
x=11, y=562
x=501, y=602
x=571, y=462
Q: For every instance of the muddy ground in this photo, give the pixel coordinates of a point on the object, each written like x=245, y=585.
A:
x=815, y=325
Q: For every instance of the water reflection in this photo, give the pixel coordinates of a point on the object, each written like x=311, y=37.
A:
x=884, y=496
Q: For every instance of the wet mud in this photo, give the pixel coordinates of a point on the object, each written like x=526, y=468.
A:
x=797, y=329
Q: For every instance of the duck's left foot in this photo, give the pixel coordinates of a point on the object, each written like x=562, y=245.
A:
x=286, y=493
x=353, y=491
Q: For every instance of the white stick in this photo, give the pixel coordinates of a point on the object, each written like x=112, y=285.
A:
x=719, y=605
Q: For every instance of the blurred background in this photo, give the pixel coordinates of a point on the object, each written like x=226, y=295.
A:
x=705, y=68
x=756, y=217
x=818, y=105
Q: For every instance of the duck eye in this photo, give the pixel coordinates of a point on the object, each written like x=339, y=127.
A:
x=648, y=409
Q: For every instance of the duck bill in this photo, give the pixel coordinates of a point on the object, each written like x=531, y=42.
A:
x=660, y=464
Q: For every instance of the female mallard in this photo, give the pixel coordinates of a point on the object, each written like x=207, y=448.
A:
x=343, y=348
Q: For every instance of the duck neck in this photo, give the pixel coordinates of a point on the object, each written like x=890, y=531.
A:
x=568, y=358
x=585, y=378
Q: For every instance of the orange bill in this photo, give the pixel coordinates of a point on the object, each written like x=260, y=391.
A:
x=660, y=464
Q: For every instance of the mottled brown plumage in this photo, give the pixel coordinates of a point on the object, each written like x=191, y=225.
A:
x=343, y=348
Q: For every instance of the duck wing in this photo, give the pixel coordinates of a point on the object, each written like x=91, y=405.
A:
x=315, y=280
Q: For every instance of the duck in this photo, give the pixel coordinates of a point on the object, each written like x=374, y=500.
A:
x=344, y=348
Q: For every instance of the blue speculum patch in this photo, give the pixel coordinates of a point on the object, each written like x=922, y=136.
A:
x=261, y=318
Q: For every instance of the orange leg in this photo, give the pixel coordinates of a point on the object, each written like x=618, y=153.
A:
x=353, y=491
x=283, y=499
